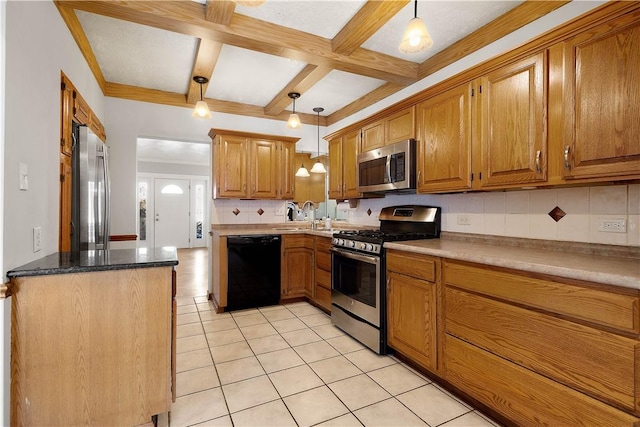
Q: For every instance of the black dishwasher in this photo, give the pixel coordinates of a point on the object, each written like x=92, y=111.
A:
x=253, y=271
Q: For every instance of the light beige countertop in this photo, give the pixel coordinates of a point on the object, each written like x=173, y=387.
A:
x=295, y=227
x=611, y=270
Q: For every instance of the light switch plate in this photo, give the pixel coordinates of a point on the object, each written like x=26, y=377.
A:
x=23, y=171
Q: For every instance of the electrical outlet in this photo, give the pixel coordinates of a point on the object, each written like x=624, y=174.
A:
x=464, y=220
x=616, y=225
x=37, y=239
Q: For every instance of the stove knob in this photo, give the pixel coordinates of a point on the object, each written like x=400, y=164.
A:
x=370, y=247
x=352, y=244
x=340, y=242
x=334, y=241
x=363, y=246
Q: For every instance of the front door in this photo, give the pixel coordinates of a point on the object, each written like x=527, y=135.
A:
x=171, y=212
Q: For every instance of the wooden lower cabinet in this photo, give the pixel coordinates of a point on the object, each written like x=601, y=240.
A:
x=322, y=282
x=541, y=350
x=412, y=293
x=92, y=348
x=297, y=266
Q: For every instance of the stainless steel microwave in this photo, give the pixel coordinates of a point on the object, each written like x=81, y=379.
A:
x=389, y=168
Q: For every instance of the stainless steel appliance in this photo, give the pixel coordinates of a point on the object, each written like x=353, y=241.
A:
x=389, y=168
x=358, y=298
x=91, y=190
x=253, y=271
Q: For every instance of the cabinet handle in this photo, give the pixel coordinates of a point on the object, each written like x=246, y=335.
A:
x=418, y=180
x=538, y=168
x=244, y=188
x=567, y=166
x=388, y=282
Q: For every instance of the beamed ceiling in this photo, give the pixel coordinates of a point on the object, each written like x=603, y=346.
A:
x=340, y=55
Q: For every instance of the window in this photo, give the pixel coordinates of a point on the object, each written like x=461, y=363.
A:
x=171, y=189
x=199, y=210
x=142, y=200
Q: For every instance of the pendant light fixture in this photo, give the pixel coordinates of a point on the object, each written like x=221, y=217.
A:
x=294, y=120
x=416, y=37
x=202, y=109
x=302, y=172
x=318, y=167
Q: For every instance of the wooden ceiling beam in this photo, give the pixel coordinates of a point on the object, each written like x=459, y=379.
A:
x=220, y=11
x=371, y=98
x=307, y=78
x=71, y=19
x=189, y=18
x=365, y=23
x=206, y=58
x=514, y=19
x=154, y=96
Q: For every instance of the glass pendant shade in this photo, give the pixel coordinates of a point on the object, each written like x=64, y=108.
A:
x=202, y=110
x=318, y=167
x=416, y=37
x=294, y=121
x=302, y=172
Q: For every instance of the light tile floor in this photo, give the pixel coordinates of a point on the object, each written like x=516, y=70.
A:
x=287, y=365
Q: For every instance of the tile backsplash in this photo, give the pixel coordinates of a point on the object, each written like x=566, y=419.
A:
x=522, y=213
x=525, y=213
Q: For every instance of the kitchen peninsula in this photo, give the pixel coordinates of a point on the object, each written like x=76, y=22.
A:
x=93, y=337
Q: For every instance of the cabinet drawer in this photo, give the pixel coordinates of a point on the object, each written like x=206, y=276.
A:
x=598, y=363
x=323, y=260
x=615, y=309
x=416, y=265
x=323, y=244
x=523, y=396
x=323, y=278
x=298, y=241
x=323, y=297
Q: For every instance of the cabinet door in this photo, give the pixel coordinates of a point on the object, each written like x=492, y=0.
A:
x=412, y=318
x=335, y=169
x=513, y=115
x=81, y=110
x=264, y=166
x=350, y=144
x=65, y=203
x=286, y=170
x=232, y=164
x=303, y=183
x=373, y=136
x=400, y=126
x=297, y=273
x=444, y=141
x=66, y=95
x=602, y=101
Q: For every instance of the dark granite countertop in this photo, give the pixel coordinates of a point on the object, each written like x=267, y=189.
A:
x=88, y=261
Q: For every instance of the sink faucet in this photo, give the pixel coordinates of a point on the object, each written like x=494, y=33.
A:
x=312, y=212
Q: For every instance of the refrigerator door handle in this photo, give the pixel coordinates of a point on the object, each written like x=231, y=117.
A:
x=107, y=196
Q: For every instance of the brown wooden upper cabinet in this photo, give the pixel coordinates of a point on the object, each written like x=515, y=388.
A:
x=396, y=127
x=311, y=187
x=489, y=133
x=602, y=101
x=81, y=110
x=252, y=166
x=343, y=151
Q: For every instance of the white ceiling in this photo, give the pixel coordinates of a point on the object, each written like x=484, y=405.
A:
x=176, y=152
x=147, y=57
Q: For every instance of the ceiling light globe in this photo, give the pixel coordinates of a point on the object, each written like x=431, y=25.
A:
x=318, y=167
x=416, y=37
x=302, y=172
x=202, y=110
x=294, y=122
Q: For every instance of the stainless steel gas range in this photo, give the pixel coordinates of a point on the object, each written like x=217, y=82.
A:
x=358, y=297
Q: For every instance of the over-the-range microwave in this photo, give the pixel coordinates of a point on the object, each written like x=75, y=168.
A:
x=388, y=168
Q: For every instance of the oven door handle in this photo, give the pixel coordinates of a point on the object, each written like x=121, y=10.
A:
x=357, y=257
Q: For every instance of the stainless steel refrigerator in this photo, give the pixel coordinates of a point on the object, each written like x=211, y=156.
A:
x=91, y=192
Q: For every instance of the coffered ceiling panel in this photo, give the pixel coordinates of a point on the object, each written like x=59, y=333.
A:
x=336, y=90
x=250, y=77
x=324, y=18
x=446, y=21
x=139, y=55
x=341, y=55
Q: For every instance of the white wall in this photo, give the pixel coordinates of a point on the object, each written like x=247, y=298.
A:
x=5, y=305
x=38, y=47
